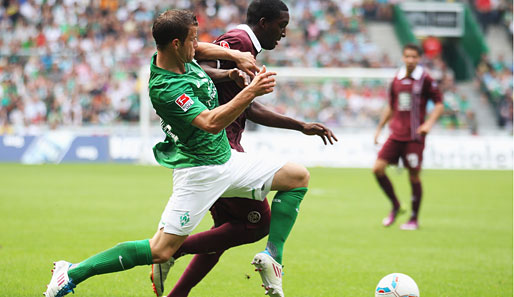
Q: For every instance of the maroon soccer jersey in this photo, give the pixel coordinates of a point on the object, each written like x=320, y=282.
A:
x=408, y=98
x=240, y=40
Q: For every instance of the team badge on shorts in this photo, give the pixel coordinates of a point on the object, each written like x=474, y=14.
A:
x=254, y=217
x=184, y=219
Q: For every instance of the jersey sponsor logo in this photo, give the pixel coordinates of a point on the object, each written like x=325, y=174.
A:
x=224, y=44
x=254, y=216
x=404, y=101
x=184, y=101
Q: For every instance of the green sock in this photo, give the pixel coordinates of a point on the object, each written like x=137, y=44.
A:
x=284, y=211
x=123, y=256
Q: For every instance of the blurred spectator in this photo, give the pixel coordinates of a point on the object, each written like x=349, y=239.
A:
x=432, y=47
x=496, y=82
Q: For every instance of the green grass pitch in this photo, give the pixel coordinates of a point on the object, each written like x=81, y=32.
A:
x=338, y=247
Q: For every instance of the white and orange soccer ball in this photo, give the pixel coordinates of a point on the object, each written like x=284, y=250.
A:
x=397, y=285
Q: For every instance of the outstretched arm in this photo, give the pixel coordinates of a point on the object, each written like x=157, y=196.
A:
x=217, y=119
x=260, y=114
x=244, y=60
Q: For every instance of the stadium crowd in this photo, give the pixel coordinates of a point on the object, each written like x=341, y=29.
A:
x=76, y=62
x=496, y=82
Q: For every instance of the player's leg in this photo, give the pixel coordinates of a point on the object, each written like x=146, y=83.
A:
x=389, y=154
x=291, y=182
x=254, y=178
x=121, y=257
x=236, y=222
x=413, y=160
x=182, y=214
x=197, y=269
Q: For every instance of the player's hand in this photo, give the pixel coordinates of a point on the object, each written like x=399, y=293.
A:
x=239, y=77
x=377, y=133
x=246, y=62
x=321, y=130
x=263, y=82
x=423, y=129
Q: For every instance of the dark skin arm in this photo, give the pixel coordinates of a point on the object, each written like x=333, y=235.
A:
x=260, y=114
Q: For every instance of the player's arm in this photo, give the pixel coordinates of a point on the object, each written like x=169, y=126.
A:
x=217, y=119
x=435, y=94
x=244, y=60
x=387, y=114
x=260, y=114
x=223, y=75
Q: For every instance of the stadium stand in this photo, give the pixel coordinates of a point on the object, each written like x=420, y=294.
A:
x=75, y=63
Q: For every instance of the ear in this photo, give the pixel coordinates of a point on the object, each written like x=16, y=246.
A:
x=175, y=43
x=262, y=22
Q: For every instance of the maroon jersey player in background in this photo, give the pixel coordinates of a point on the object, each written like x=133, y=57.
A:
x=237, y=221
x=408, y=97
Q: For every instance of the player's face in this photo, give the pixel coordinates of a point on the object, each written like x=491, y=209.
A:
x=410, y=58
x=187, y=48
x=275, y=30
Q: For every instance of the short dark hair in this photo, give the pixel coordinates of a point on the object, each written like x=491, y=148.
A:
x=413, y=46
x=172, y=24
x=268, y=9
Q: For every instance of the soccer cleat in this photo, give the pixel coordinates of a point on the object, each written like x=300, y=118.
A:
x=410, y=225
x=271, y=274
x=158, y=275
x=391, y=218
x=60, y=284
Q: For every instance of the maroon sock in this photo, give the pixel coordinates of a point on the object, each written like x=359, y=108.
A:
x=416, y=199
x=197, y=269
x=388, y=189
x=221, y=238
x=209, y=246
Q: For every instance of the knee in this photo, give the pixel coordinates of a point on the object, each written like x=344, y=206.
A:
x=379, y=168
x=303, y=177
x=378, y=171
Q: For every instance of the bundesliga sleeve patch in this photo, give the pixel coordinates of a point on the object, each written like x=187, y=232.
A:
x=184, y=101
x=224, y=44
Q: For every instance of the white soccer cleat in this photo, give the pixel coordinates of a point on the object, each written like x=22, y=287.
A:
x=60, y=283
x=159, y=274
x=271, y=274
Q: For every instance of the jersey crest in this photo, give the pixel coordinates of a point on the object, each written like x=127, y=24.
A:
x=224, y=44
x=184, y=101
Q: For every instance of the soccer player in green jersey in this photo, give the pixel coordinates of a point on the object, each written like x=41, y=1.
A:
x=197, y=148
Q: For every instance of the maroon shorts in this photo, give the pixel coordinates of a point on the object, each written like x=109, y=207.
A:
x=255, y=214
x=411, y=153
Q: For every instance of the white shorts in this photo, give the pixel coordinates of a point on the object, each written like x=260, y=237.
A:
x=195, y=189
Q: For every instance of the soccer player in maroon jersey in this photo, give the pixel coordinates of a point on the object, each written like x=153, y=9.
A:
x=408, y=97
x=238, y=221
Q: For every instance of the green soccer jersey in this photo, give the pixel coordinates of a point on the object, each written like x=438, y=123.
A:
x=178, y=99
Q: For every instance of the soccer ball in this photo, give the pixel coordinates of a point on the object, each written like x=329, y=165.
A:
x=397, y=285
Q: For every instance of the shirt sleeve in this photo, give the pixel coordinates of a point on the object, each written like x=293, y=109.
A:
x=431, y=90
x=231, y=42
x=181, y=105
